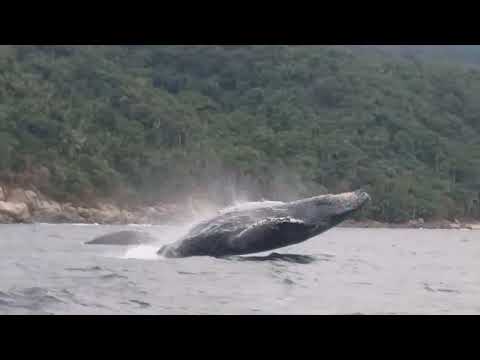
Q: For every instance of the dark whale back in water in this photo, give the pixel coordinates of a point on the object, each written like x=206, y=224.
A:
x=258, y=227
x=123, y=238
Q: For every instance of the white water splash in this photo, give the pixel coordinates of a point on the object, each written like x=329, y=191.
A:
x=164, y=234
x=142, y=252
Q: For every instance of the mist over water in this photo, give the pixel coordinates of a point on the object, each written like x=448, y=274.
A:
x=223, y=189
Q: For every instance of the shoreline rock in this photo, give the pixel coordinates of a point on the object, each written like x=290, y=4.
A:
x=29, y=206
x=17, y=211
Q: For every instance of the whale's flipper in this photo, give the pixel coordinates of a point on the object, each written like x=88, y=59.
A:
x=280, y=231
x=123, y=238
x=272, y=225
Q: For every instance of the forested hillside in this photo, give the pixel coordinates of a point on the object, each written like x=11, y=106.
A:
x=459, y=54
x=161, y=122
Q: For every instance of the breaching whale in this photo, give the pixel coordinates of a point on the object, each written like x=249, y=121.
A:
x=257, y=227
x=263, y=227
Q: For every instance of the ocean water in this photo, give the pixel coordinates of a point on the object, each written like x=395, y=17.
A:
x=46, y=269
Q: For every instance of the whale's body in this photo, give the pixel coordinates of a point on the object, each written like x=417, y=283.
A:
x=255, y=227
x=261, y=227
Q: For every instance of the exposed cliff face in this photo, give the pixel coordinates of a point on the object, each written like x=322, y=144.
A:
x=19, y=205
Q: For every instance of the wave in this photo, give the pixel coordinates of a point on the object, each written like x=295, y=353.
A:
x=292, y=258
x=72, y=224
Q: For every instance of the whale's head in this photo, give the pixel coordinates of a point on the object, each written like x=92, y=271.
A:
x=326, y=211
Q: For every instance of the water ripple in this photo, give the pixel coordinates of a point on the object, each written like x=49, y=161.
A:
x=291, y=258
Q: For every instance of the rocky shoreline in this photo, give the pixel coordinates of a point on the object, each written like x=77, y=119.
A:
x=19, y=205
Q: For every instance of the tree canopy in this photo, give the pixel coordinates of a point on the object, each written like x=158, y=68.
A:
x=279, y=122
